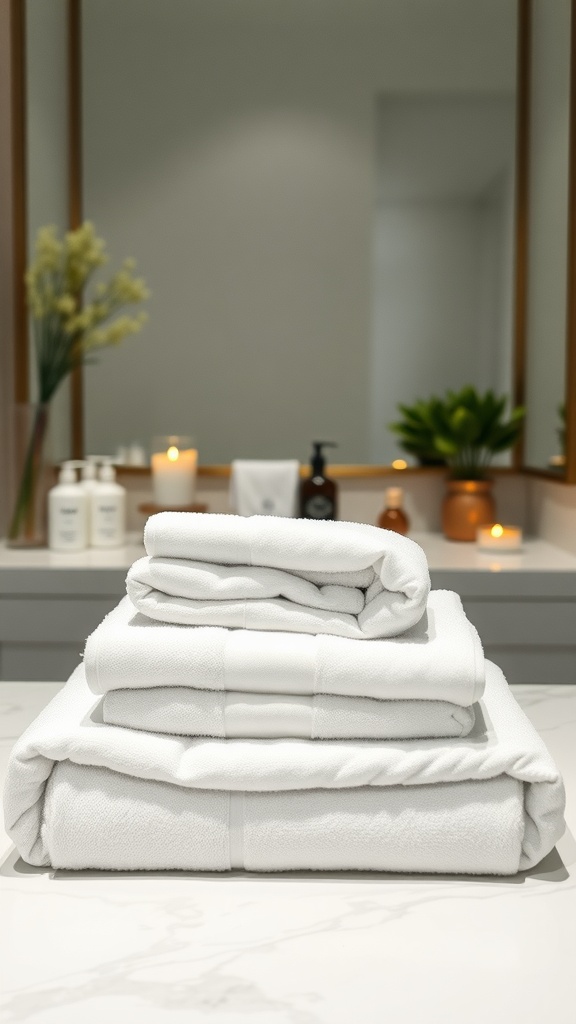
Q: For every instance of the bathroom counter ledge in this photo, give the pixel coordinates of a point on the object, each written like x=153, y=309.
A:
x=523, y=605
x=164, y=948
x=536, y=555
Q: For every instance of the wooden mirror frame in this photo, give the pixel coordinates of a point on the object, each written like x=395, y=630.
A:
x=14, y=12
x=522, y=243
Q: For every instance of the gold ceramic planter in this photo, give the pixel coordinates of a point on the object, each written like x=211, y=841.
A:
x=468, y=504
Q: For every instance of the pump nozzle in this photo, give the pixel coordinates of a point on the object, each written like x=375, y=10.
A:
x=68, y=469
x=318, y=461
x=107, y=472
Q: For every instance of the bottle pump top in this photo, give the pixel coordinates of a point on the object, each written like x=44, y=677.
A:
x=68, y=469
x=89, y=470
x=67, y=474
x=107, y=473
x=318, y=462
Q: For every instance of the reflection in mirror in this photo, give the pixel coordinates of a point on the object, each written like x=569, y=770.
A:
x=443, y=251
x=548, y=234
x=320, y=197
x=47, y=161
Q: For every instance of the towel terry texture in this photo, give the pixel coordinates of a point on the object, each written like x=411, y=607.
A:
x=266, y=572
x=279, y=694
x=439, y=658
x=83, y=794
x=187, y=712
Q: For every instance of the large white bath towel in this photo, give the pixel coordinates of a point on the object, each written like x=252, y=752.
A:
x=182, y=711
x=80, y=793
x=267, y=572
x=439, y=658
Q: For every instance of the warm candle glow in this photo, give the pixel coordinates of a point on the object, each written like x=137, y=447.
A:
x=399, y=464
x=503, y=538
x=174, y=462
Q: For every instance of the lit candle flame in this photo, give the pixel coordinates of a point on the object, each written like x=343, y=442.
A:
x=497, y=530
x=173, y=453
x=399, y=464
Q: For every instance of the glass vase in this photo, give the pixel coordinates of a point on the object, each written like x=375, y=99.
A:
x=27, y=526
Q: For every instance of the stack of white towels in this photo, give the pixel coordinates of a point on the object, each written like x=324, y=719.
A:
x=278, y=694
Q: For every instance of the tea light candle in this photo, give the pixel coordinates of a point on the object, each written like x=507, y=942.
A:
x=174, y=474
x=501, y=538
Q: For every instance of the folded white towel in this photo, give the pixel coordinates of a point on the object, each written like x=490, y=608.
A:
x=80, y=793
x=95, y=818
x=439, y=658
x=259, y=487
x=179, y=710
x=299, y=575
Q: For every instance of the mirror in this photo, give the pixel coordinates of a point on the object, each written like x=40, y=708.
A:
x=47, y=184
x=548, y=220
x=320, y=197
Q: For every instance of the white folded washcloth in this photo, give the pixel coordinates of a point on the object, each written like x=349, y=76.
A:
x=439, y=658
x=81, y=794
x=259, y=487
x=265, y=572
x=182, y=711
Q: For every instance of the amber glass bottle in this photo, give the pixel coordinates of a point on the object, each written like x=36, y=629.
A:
x=393, y=517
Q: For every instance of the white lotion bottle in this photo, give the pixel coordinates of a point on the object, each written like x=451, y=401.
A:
x=67, y=513
x=107, y=511
x=89, y=483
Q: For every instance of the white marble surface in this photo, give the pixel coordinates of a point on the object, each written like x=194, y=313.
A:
x=91, y=558
x=536, y=555
x=163, y=948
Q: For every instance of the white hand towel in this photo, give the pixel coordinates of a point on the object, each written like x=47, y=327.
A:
x=439, y=658
x=181, y=711
x=346, y=579
x=80, y=793
x=259, y=487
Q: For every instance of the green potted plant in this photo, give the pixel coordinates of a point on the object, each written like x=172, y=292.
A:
x=470, y=429
x=417, y=428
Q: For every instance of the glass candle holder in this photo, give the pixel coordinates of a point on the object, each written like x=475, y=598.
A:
x=174, y=464
x=497, y=537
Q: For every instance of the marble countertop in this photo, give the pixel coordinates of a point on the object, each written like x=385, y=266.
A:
x=536, y=555
x=165, y=948
x=91, y=558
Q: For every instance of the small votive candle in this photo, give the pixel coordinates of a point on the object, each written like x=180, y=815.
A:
x=174, y=463
x=499, y=537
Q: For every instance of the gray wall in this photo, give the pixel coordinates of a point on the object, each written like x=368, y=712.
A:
x=230, y=148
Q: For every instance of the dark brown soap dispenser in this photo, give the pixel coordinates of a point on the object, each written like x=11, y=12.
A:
x=318, y=494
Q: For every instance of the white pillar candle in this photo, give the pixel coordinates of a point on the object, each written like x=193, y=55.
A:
x=174, y=476
x=500, y=538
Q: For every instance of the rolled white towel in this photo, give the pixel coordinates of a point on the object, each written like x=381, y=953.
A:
x=298, y=575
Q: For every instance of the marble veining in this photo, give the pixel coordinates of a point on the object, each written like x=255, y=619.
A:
x=302, y=948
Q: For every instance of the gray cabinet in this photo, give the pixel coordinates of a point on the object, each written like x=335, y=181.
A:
x=526, y=619
x=525, y=611
x=49, y=603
